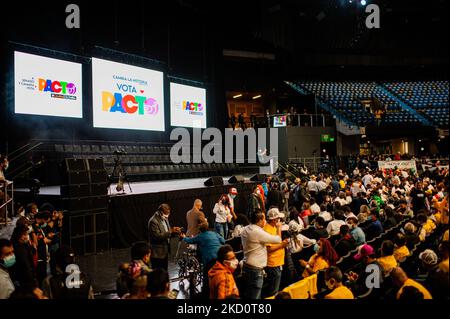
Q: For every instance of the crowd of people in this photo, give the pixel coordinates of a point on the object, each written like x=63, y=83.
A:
x=292, y=229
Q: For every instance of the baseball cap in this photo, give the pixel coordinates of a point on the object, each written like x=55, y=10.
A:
x=233, y=191
x=363, y=251
x=274, y=213
x=429, y=257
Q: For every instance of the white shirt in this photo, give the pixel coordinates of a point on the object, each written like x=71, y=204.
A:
x=254, y=241
x=342, y=201
x=6, y=285
x=312, y=186
x=321, y=185
x=315, y=209
x=334, y=227
x=295, y=247
x=367, y=179
x=221, y=212
x=326, y=216
x=357, y=188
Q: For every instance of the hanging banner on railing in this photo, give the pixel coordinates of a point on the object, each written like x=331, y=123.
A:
x=433, y=167
x=397, y=165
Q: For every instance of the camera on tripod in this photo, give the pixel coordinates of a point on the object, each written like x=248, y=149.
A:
x=120, y=152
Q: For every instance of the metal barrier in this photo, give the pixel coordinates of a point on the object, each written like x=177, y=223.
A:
x=7, y=200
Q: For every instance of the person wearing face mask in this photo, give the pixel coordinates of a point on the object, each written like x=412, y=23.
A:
x=160, y=233
x=356, y=232
x=223, y=216
x=232, y=193
x=324, y=257
x=221, y=280
x=333, y=280
x=254, y=202
x=7, y=260
x=24, y=270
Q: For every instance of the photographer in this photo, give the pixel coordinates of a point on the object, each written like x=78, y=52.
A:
x=223, y=215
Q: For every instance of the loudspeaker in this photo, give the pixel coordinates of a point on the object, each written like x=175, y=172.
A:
x=75, y=164
x=99, y=176
x=74, y=191
x=78, y=177
x=258, y=178
x=236, y=179
x=95, y=164
x=214, y=181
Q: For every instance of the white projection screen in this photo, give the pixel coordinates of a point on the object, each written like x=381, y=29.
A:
x=187, y=106
x=47, y=86
x=127, y=97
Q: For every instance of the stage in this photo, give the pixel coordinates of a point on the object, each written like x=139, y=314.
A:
x=128, y=213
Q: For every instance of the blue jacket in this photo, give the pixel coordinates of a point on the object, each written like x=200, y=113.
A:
x=358, y=236
x=208, y=243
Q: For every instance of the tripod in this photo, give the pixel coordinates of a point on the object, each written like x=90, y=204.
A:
x=121, y=174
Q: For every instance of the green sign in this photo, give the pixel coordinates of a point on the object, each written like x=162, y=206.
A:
x=326, y=138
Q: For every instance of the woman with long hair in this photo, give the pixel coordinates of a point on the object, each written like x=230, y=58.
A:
x=324, y=258
x=223, y=215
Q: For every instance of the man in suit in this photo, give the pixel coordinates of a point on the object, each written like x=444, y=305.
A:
x=160, y=232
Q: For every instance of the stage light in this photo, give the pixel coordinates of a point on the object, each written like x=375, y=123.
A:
x=256, y=97
x=236, y=96
x=363, y=2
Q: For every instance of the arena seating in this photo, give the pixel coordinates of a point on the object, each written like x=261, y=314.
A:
x=150, y=162
x=428, y=98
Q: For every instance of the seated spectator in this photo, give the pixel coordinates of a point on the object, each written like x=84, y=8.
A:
x=387, y=259
x=60, y=286
x=347, y=212
x=358, y=282
x=401, y=250
x=427, y=226
x=296, y=244
x=7, y=260
x=435, y=280
x=333, y=280
x=283, y=295
x=318, y=231
x=345, y=243
x=443, y=251
x=324, y=257
x=401, y=280
x=158, y=284
x=356, y=232
x=221, y=280
x=411, y=237
x=334, y=226
x=324, y=213
x=373, y=228
x=390, y=220
x=411, y=294
x=315, y=209
x=363, y=215
x=240, y=223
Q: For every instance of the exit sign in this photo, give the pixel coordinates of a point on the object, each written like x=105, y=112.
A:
x=326, y=138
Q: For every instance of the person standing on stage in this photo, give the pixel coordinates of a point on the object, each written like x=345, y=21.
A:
x=193, y=217
x=160, y=232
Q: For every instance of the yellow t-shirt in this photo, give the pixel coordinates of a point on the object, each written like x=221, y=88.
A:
x=422, y=289
x=429, y=226
x=342, y=184
x=316, y=263
x=401, y=253
x=388, y=263
x=341, y=292
x=275, y=258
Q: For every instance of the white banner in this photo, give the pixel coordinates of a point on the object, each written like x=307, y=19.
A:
x=406, y=165
x=432, y=168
